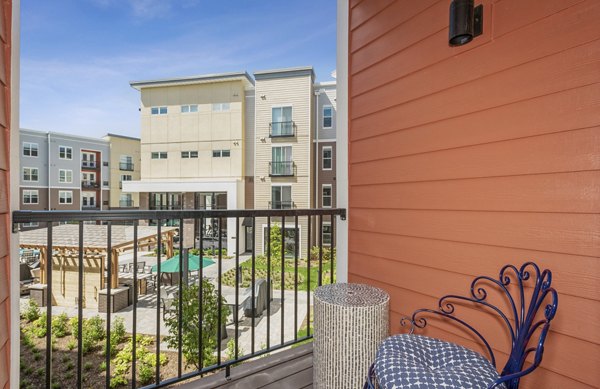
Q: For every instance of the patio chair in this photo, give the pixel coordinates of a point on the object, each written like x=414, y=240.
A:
x=403, y=360
x=262, y=293
x=166, y=301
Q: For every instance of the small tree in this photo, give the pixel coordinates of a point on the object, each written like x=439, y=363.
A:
x=275, y=243
x=190, y=326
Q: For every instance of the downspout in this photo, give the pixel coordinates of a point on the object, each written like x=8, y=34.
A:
x=317, y=93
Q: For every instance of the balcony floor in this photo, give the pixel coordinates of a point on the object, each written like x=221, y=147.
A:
x=289, y=369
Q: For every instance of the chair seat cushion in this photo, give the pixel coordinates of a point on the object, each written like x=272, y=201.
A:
x=419, y=362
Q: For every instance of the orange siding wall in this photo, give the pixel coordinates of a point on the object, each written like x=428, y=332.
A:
x=5, y=126
x=464, y=159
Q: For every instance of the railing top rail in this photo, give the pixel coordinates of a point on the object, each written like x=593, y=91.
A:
x=126, y=215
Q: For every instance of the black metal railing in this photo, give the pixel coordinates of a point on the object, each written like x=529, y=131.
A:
x=89, y=164
x=281, y=168
x=290, y=272
x=282, y=204
x=90, y=185
x=282, y=129
x=127, y=166
x=125, y=203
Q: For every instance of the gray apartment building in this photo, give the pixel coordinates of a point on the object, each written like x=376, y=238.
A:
x=63, y=172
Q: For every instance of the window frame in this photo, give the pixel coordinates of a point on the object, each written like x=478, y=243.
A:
x=221, y=153
x=66, y=153
x=326, y=224
x=191, y=108
x=329, y=148
x=65, y=171
x=29, y=193
x=65, y=195
x=323, y=187
x=159, y=110
x=37, y=149
x=222, y=107
x=159, y=154
x=31, y=169
x=323, y=117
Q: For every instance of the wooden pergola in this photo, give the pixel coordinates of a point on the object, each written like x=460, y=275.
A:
x=65, y=247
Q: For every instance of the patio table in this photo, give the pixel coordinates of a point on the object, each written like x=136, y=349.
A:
x=350, y=322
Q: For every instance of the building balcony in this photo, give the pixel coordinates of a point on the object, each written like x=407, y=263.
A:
x=125, y=203
x=90, y=207
x=286, y=204
x=90, y=185
x=282, y=129
x=245, y=309
x=89, y=165
x=282, y=169
x=126, y=166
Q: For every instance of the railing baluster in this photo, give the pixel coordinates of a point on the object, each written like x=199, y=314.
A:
x=200, y=299
x=219, y=294
x=308, y=239
x=282, y=277
x=80, y=310
x=109, y=299
x=237, y=283
x=296, y=248
x=252, y=285
x=320, y=238
x=180, y=300
x=158, y=302
x=268, y=282
x=135, y=299
x=49, y=256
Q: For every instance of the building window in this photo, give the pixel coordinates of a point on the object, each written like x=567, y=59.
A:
x=126, y=177
x=189, y=108
x=30, y=197
x=221, y=153
x=189, y=154
x=289, y=233
x=30, y=174
x=126, y=163
x=326, y=197
x=158, y=110
x=326, y=234
x=281, y=161
x=220, y=107
x=281, y=122
x=327, y=116
x=159, y=155
x=327, y=158
x=65, y=152
x=30, y=149
x=125, y=201
x=65, y=197
x=281, y=197
x=65, y=176
x=88, y=200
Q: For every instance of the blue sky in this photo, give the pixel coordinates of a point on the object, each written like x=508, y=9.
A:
x=78, y=56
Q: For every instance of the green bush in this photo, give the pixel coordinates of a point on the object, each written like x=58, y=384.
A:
x=118, y=380
x=146, y=374
x=38, y=327
x=95, y=327
x=88, y=366
x=314, y=253
x=74, y=324
x=32, y=313
x=72, y=344
x=191, y=325
x=60, y=325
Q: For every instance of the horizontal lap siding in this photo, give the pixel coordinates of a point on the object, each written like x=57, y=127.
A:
x=464, y=159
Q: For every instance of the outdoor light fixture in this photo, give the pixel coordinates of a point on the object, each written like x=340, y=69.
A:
x=466, y=22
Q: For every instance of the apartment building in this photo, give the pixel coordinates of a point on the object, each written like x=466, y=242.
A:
x=124, y=165
x=193, y=149
x=283, y=153
x=63, y=172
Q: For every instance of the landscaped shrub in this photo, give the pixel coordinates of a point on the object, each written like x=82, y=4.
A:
x=95, y=327
x=74, y=324
x=60, y=325
x=146, y=374
x=32, y=313
x=314, y=253
x=38, y=327
x=191, y=325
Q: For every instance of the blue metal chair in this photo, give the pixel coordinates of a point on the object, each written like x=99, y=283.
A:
x=418, y=362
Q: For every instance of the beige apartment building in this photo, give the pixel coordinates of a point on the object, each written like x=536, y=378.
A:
x=193, y=149
x=283, y=148
x=125, y=165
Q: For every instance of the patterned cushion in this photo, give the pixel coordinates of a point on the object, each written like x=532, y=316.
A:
x=419, y=362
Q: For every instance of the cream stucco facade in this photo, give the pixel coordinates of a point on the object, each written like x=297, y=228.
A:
x=124, y=165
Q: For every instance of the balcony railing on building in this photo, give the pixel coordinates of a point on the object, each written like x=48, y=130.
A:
x=259, y=301
x=125, y=203
x=282, y=129
x=90, y=185
x=127, y=166
x=89, y=164
x=281, y=168
x=281, y=204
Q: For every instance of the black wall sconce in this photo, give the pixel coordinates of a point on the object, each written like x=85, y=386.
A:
x=466, y=22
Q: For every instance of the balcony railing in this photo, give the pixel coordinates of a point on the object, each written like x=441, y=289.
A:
x=127, y=166
x=90, y=185
x=218, y=307
x=282, y=129
x=89, y=164
x=125, y=203
x=90, y=206
x=281, y=169
x=282, y=204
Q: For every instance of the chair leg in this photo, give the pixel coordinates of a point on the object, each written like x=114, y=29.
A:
x=371, y=380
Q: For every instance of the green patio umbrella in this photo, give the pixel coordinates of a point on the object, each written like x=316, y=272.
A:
x=171, y=265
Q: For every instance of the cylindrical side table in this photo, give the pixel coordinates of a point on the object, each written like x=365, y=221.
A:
x=350, y=322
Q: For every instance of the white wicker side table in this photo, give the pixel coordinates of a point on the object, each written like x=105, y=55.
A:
x=350, y=321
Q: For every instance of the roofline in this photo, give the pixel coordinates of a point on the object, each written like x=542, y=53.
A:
x=70, y=136
x=122, y=136
x=274, y=72
x=325, y=84
x=203, y=78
